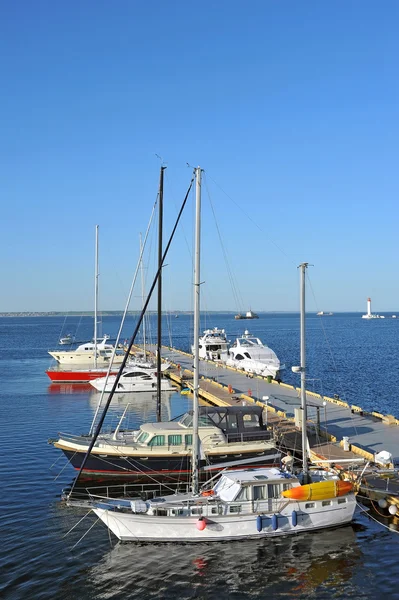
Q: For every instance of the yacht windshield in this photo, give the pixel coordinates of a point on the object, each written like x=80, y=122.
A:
x=248, y=341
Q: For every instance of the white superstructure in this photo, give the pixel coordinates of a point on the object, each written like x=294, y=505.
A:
x=88, y=353
x=213, y=345
x=248, y=353
x=132, y=380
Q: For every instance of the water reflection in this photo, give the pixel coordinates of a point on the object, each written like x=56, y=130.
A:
x=143, y=404
x=69, y=388
x=293, y=566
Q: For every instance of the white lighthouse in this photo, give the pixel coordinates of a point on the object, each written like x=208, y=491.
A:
x=369, y=315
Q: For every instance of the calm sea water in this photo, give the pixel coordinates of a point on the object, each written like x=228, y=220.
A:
x=346, y=355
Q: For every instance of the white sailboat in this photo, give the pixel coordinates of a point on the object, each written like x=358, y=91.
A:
x=97, y=352
x=246, y=504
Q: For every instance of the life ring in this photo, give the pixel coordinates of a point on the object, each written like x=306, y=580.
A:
x=207, y=493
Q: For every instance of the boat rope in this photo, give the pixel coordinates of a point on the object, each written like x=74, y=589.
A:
x=76, y=524
x=255, y=223
x=123, y=320
x=84, y=535
x=64, y=467
x=236, y=294
x=133, y=338
x=364, y=510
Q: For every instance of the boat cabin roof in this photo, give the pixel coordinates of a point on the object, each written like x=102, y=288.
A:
x=229, y=419
x=256, y=476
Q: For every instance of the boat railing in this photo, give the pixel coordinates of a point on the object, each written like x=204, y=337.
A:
x=145, y=491
x=250, y=436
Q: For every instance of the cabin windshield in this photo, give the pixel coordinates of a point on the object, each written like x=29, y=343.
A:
x=203, y=421
x=248, y=341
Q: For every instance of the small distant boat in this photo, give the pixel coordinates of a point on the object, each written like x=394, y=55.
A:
x=66, y=340
x=248, y=315
x=324, y=314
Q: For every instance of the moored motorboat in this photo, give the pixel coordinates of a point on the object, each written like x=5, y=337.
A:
x=213, y=345
x=134, y=379
x=90, y=352
x=165, y=448
x=249, y=354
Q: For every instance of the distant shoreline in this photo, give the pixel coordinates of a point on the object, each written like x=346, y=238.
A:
x=118, y=313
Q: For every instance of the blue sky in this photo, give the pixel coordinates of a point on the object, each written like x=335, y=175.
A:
x=290, y=107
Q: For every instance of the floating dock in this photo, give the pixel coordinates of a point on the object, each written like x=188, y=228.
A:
x=337, y=432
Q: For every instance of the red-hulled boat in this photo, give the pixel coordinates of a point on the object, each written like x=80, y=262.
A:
x=77, y=375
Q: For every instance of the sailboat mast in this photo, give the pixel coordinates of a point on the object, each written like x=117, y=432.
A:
x=195, y=452
x=142, y=297
x=159, y=308
x=96, y=299
x=305, y=466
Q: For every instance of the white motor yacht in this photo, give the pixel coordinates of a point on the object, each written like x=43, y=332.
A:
x=132, y=380
x=213, y=345
x=100, y=353
x=249, y=354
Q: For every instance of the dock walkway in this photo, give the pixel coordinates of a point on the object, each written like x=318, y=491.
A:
x=368, y=433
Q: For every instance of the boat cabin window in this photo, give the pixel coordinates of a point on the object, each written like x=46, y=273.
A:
x=186, y=420
x=309, y=505
x=143, y=437
x=157, y=440
x=232, y=422
x=247, y=354
x=196, y=511
x=214, y=348
x=174, y=440
x=239, y=357
x=189, y=439
x=341, y=500
x=235, y=509
x=259, y=492
x=243, y=494
x=326, y=503
x=133, y=374
x=251, y=420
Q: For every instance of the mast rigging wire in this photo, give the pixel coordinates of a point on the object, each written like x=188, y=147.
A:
x=138, y=324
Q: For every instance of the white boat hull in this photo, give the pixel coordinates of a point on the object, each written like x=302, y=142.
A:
x=255, y=367
x=124, y=387
x=130, y=527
